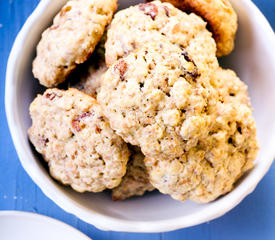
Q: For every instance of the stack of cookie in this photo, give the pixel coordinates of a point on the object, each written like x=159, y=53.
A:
x=150, y=108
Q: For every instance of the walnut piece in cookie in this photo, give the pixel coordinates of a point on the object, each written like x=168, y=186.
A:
x=149, y=9
x=71, y=39
x=220, y=16
x=210, y=169
x=133, y=27
x=70, y=131
x=136, y=180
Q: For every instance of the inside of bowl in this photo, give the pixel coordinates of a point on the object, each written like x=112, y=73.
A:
x=252, y=61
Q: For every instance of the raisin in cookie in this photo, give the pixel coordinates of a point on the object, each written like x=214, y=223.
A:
x=71, y=39
x=220, y=16
x=136, y=181
x=211, y=168
x=70, y=131
x=131, y=28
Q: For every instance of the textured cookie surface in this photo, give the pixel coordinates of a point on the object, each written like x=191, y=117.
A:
x=157, y=98
x=71, y=39
x=70, y=131
x=211, y=168
x=136, y=181
x=133, y=27
x=197, y=132
x=221, y=17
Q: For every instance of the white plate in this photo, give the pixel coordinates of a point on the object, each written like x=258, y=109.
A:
x=30, y=226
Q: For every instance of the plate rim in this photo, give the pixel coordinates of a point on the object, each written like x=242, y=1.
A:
x=42, y=218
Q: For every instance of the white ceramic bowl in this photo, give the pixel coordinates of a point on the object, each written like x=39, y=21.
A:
x=254, y=61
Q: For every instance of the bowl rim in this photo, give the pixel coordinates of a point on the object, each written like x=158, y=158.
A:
x=105, y=222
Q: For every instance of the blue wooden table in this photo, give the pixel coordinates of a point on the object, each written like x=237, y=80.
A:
x=253, y=219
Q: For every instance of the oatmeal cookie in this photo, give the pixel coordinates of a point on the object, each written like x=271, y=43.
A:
x=197, y=132
x=220, y=16
x=71, y=39
x=133, y=27
x=210, y=169
x=136, y=181
x=157, y=98
x=70, y=131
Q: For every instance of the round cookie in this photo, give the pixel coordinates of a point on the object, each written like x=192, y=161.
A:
x=133, y=27
x=157, y=98
x=197, y=133
x=71, y=39
x=70, y=131
x=136, y=180
x=220, y=16
x=211, y=168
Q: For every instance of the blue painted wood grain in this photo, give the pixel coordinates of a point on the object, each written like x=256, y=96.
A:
x=252, y=219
